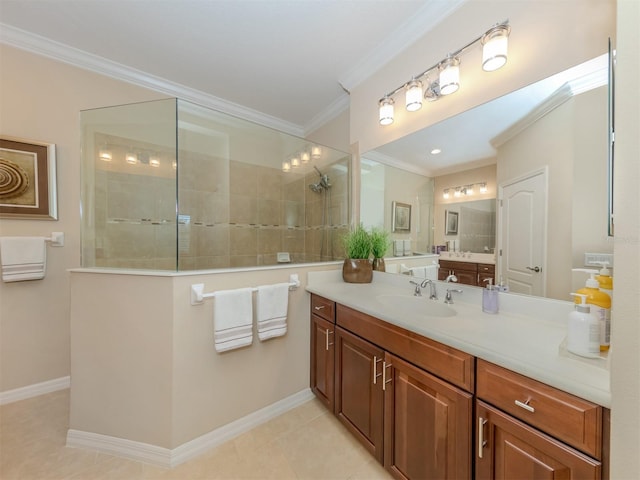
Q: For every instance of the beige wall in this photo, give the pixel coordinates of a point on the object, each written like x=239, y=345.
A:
x=625, y=330
x=41, y=100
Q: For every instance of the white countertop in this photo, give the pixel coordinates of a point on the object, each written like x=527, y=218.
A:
x=524, y=337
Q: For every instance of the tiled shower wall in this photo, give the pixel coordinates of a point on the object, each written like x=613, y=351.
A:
x=477, y=230
x=231, y=214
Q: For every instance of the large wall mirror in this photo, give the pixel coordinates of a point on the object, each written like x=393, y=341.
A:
x=525, y=175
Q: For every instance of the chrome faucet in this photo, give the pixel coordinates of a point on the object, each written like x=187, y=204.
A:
x=447, y=298
x=451, y=278
x=433, y=294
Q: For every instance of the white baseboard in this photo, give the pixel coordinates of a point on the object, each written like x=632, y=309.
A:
x=30, y=391
x=165, y=457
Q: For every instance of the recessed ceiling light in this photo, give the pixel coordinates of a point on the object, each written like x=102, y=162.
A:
x=435, y=151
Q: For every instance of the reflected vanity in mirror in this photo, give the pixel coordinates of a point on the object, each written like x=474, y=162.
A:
x=541, y=156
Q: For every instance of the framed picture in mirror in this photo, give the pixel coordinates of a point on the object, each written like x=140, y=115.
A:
x=400, y=217
x=451, y=223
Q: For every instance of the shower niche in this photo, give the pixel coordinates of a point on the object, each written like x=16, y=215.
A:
x=170, y=185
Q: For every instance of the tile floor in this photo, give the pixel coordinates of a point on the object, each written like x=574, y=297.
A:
x=304, y=443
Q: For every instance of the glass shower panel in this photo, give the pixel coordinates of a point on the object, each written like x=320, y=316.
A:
x=169, y=185
x=129, y=186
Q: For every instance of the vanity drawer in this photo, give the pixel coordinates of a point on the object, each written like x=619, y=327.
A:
x=566, y=417
x=323, y=308
x=445, y=362
x=457, y=266
x=486, y=268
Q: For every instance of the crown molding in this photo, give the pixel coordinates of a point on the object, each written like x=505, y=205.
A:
x=334, y=109
x=39, y=45
x=424, y=20
x=394, y=162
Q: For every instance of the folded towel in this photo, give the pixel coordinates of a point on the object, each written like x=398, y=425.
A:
x=232, y=319
x=23, y=258
x=271, y=310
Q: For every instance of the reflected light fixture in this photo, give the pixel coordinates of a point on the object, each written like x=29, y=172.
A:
x=449, y=75
x=105, y=155
x=286, y=166
x=494, y=55
x=494, y=47
x=386, y=111
x=316, y=152
x=305, y=157
x=295, y=161
x=413, y=96
x=436, y=151
x=468, y=190
x=445, y=194
x=131, y=158
x=483, y=188
x=154, y=162
x=458, y=192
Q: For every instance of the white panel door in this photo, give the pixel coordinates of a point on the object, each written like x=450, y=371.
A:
x=523, y=234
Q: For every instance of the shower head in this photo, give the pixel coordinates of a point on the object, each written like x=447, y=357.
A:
x=323, y=184
x=316, y=187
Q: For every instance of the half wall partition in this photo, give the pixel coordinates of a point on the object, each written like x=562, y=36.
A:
x=169, y=185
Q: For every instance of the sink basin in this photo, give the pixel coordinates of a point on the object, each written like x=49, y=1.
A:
x=412, y=305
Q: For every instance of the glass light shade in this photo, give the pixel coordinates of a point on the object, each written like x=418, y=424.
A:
x=469, y=190
x=414, y=95
x=449, y=75
x=494, y=48
x=131, y=158
x=295, y=162
x=386, y=111
x=457, y=193
x=316, y=152
x=286, y=166
x=483, y=188
x=445, y=194
x=305, y=157
x=154, y=162
x=105, y=155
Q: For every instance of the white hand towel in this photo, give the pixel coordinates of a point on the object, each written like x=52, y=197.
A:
x=272, y=302
x=23, y=258
x=232, y=319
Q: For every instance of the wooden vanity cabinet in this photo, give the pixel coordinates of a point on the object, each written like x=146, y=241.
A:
x=468, y=273
x=529, y=430
x=416, y=424
x=322, y=350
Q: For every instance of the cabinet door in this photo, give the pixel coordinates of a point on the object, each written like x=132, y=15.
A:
x=358, y=389
x=322, y=360
x=507, y=448
x=427, y=424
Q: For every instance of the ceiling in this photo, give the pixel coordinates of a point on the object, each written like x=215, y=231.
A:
x=285, y=59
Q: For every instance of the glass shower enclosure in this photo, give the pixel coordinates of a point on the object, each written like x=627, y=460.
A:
x=170, y=185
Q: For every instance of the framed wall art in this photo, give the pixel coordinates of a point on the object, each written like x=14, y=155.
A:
x=451, y=223
x=401, y=217
x=27, y=179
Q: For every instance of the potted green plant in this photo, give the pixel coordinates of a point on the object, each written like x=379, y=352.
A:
x=357, y=267
x=380, y=243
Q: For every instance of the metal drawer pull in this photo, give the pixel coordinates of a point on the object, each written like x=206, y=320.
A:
x=319, y=308
x=481, y=441
x=376, y=360
x=327, y=339
x=526, y=405
x=384, y=375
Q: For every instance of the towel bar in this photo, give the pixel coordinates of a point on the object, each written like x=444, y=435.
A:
x=198, y=297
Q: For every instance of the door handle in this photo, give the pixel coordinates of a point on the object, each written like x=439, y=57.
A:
x=535, y=269
x=481, y=441
x=327, y=344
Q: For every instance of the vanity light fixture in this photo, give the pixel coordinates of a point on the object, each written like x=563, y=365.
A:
x=286, y=166
x=445, y=194
x=413, y=96
x=154, y=162
x=295, y=161
x=494, y=56
x=465, y=190
x=468, y=190
x=483, y=188
x=105, y=155
x=131, y=158
x=457, y=192
x=316, y=152
x=386, y=111
x=436, y=151
x=305, y=157
x=449, y=75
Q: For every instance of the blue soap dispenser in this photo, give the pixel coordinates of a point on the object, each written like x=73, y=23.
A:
x=490, y=297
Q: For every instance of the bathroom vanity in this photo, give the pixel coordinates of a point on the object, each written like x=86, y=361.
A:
x=435, y=392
